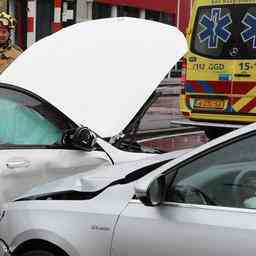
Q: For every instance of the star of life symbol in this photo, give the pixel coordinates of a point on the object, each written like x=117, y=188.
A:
x=250, y=32
x=215, y=28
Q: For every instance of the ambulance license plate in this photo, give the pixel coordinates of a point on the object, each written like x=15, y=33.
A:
x=209, y=103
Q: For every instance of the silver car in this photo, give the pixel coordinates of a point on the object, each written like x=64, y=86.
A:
x=95, y=74
x=201, y=203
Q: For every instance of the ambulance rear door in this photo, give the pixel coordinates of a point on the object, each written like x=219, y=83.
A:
x=209, y=73
x=242, y=48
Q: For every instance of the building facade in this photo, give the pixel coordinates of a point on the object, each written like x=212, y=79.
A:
x=39, y=18
x=3, y=5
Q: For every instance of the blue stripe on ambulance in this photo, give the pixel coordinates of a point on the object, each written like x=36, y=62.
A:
x=189, y=88
x=207, y=88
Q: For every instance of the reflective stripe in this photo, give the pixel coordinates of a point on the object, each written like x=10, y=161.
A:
x=189, y=88
x=249, y=106
x=206, y=86
x=253, y=110
x=244, y=100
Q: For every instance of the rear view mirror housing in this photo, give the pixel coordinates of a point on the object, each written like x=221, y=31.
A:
x=154, y=194
x=81, y=138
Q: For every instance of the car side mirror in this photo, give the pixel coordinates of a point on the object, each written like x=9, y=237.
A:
x=82, y=138
x=154, y=195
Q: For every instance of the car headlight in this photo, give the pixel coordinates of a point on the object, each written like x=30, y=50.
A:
x=4, y=250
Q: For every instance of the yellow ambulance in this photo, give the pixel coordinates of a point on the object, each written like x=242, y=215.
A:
x=219, y=71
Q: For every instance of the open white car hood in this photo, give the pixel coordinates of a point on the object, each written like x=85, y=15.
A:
x=101, y=72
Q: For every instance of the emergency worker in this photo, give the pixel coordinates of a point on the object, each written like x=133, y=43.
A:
x=8, y=51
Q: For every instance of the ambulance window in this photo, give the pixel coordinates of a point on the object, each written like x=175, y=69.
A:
x=225, y=32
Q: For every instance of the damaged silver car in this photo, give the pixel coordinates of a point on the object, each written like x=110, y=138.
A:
x=95, y=74
x=201, y=203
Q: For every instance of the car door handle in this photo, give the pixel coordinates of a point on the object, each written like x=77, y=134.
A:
x=17, y=164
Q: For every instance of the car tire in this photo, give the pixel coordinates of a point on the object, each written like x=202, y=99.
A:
x=38, y=253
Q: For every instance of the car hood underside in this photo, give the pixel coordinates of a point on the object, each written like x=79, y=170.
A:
x=99, y=73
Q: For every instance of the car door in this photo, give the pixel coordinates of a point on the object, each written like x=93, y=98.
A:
x=209, y=208
x=242, y=51
x=31, y=151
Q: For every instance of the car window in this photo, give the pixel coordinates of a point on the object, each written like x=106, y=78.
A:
x=27, y=121
x=218, y=29
x=225, y=177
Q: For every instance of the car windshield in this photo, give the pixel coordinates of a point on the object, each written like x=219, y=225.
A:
x=225, y=32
